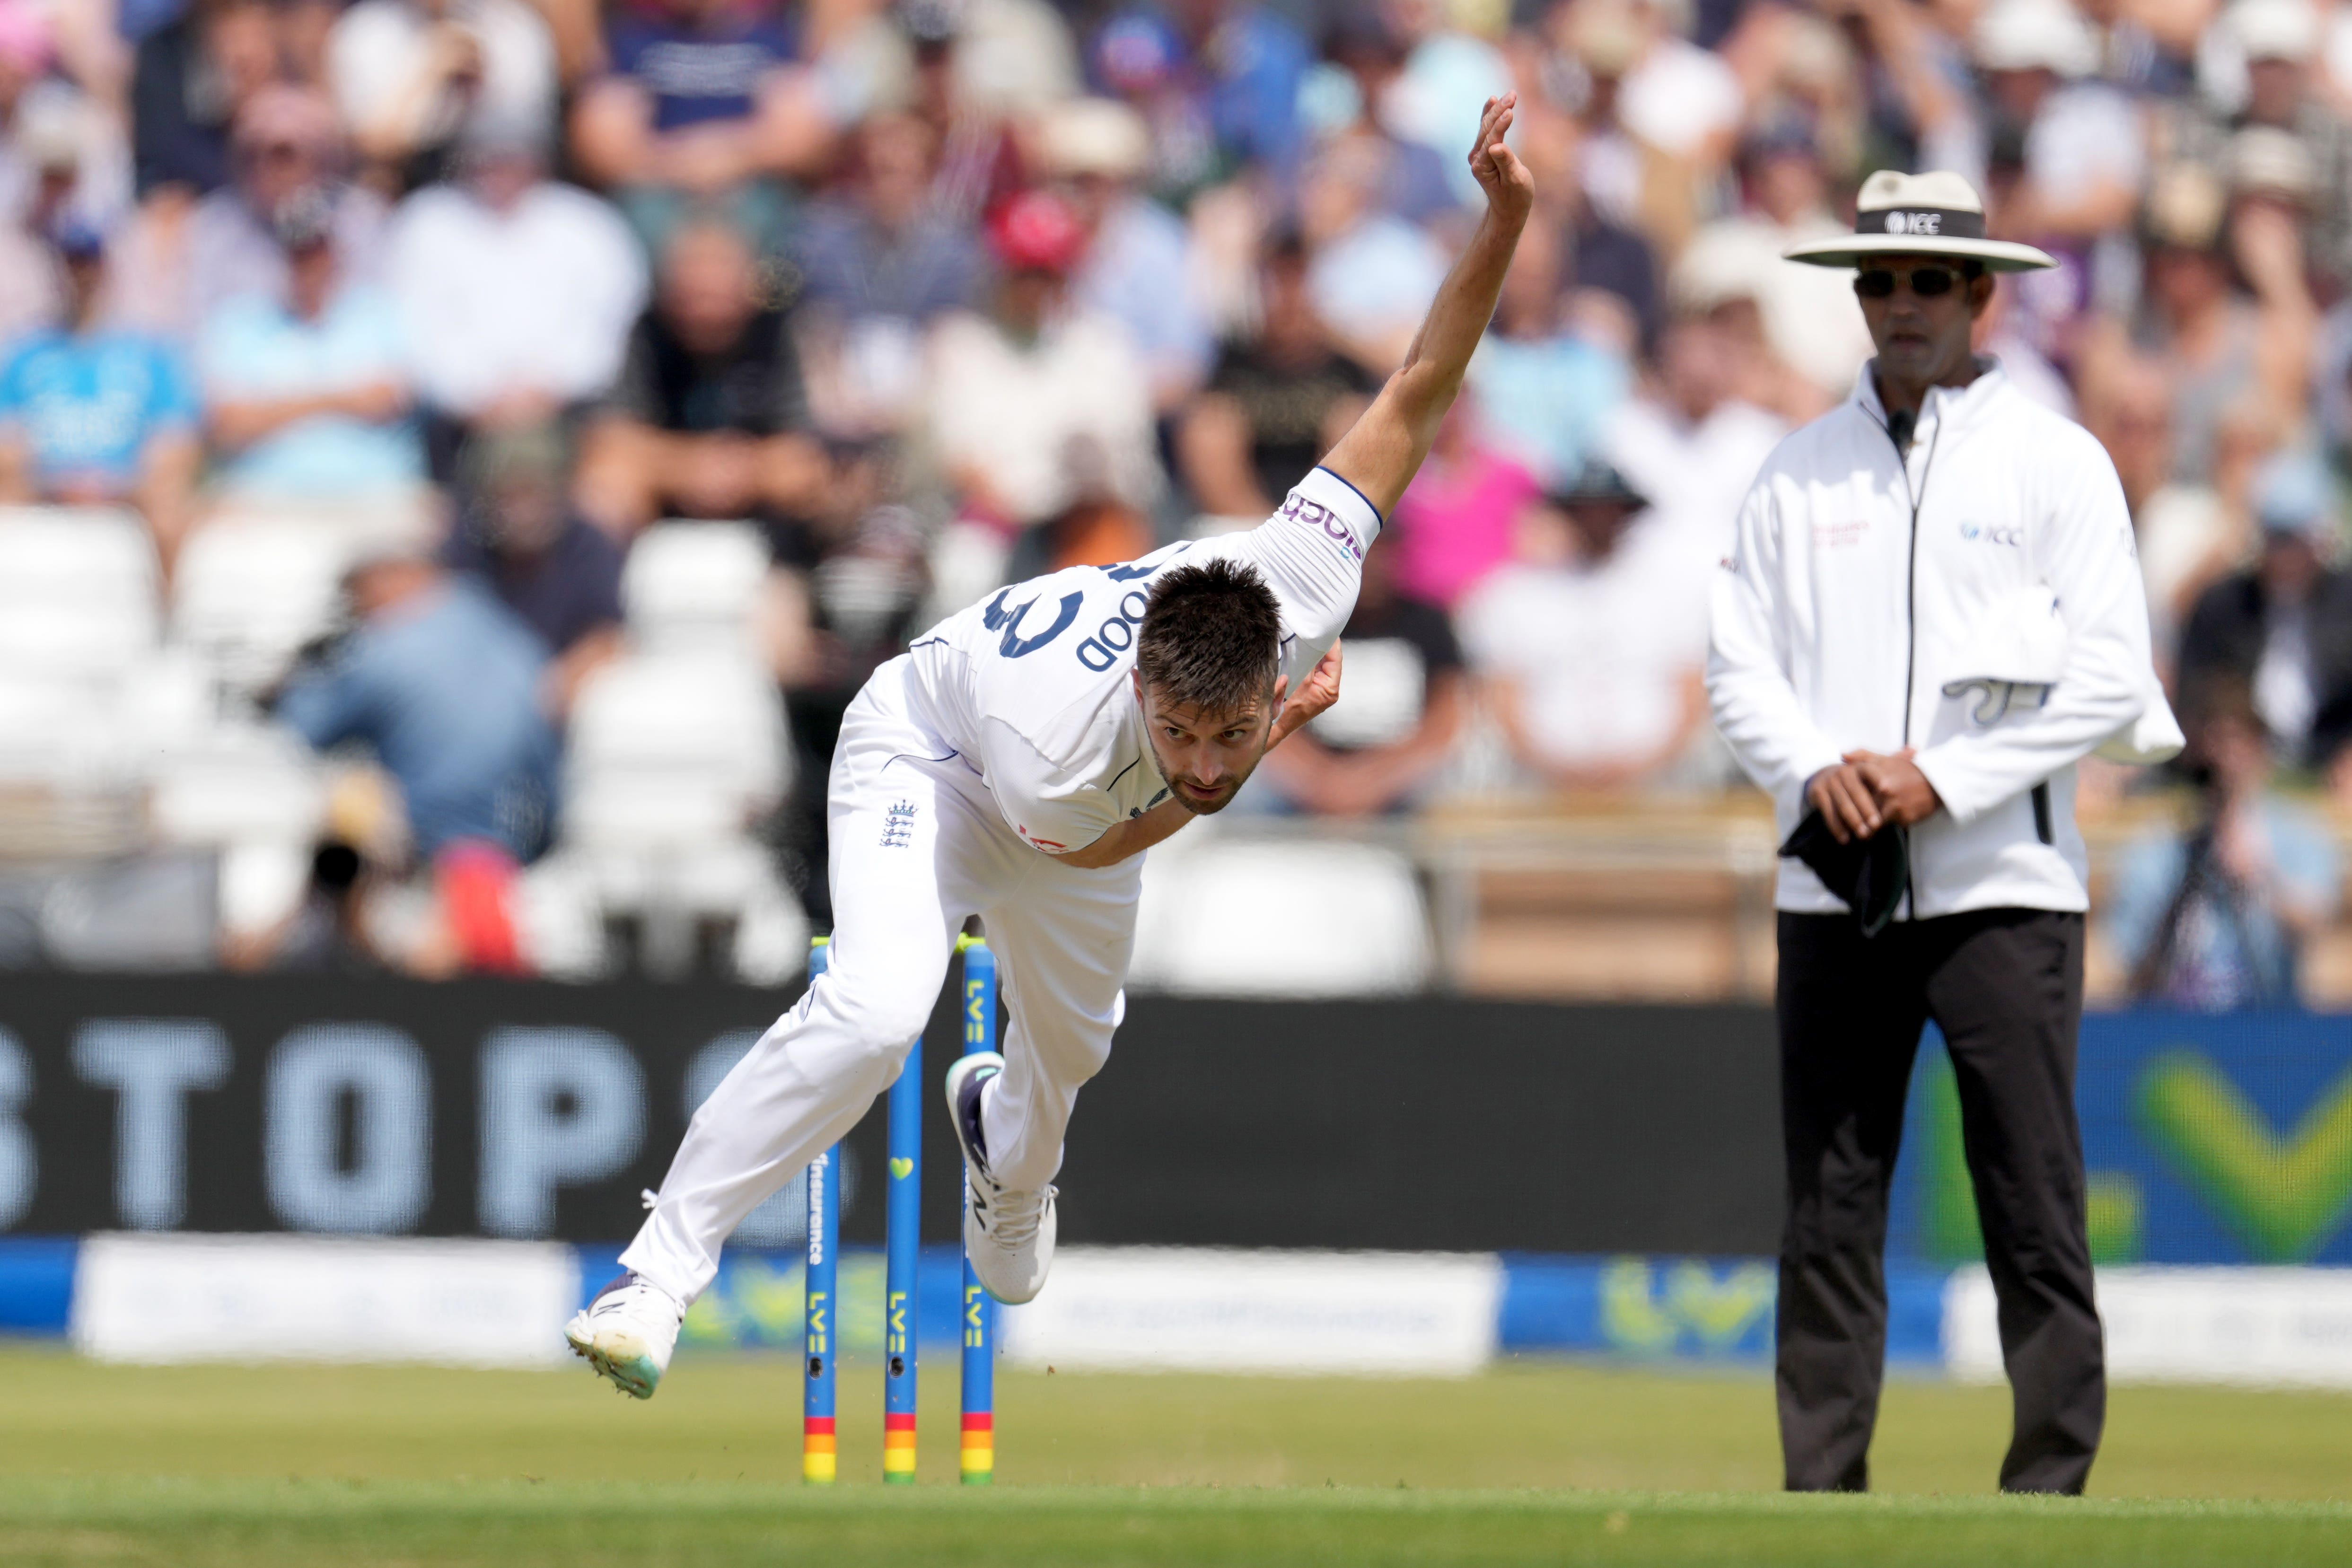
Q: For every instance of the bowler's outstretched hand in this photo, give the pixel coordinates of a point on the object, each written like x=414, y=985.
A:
x=1384, y=450
x=1510, y=189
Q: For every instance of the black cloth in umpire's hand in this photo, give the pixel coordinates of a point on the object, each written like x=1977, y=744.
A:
x=1871, y=875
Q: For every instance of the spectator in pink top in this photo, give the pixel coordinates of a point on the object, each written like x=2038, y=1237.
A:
x=1456, y=523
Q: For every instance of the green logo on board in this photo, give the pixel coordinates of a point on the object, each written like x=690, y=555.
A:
x=2285, y=1197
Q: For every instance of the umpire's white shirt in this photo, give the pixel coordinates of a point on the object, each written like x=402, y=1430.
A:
x=1859, y=589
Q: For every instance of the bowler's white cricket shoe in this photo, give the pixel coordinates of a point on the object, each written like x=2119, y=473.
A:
x=627, y=1333
x=1008, y=1232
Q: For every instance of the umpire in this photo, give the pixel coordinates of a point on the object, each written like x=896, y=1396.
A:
x=1932, y=614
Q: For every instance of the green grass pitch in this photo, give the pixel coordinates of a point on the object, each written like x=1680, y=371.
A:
x=1540, y=1462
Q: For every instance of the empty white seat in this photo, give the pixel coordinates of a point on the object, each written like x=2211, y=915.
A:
x=694, y=585
x=95, y=642
x=166, y=704
x=249, y=591
x=674, y=748
x=1258, y=919
x=75, y=554
x=672, y=757
x=77, y=591
x=51, y=733
x=240, y=785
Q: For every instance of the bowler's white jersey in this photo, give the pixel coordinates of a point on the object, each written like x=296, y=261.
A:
x=1032, y=686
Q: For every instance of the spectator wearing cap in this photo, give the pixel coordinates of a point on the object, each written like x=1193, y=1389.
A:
x=442, y=683
x=1589, y=645
x=287, y=148
x=1397, y=718
x=306, y=388
x=1547, y=384
x=1136, y=269
x=518, y=534
x=1276, y=399
x=2216, y=918
x=2279, y=41
x=517, y=292
x=93, y=416
x=410, y=77
x=880, y=260
x=704, y=101
x=1042, y=404
x=2284, y=626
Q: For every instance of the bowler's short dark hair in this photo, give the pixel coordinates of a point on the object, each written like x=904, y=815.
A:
x=1212, y=636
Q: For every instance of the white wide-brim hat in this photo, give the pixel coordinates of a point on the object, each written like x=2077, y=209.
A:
x=1919, y=214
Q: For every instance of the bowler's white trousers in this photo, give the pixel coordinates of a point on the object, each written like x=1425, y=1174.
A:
x=916, y=847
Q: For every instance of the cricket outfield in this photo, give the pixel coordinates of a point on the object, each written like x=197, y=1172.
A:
x=1533, y=1462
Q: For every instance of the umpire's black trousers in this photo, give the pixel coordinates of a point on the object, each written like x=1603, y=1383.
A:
x=2005, y=986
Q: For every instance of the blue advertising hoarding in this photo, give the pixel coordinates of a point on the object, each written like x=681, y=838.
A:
x=2208, y=1139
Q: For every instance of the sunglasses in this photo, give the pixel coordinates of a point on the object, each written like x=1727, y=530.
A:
x=1927, y=282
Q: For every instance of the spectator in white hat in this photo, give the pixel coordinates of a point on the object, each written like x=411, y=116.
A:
x=2078, y=141
x=2279, y=42
x=1136, y=269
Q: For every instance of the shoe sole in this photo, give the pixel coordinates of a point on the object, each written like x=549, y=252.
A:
x=617, y=1357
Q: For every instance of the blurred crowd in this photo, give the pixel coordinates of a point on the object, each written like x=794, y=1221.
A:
x=900, y=299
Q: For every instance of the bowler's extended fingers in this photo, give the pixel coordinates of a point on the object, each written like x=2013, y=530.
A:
x=1494, y=120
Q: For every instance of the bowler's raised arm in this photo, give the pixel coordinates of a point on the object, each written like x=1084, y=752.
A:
x=1381, y=452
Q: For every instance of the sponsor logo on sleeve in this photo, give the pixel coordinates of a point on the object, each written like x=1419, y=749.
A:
x=1298, y=509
